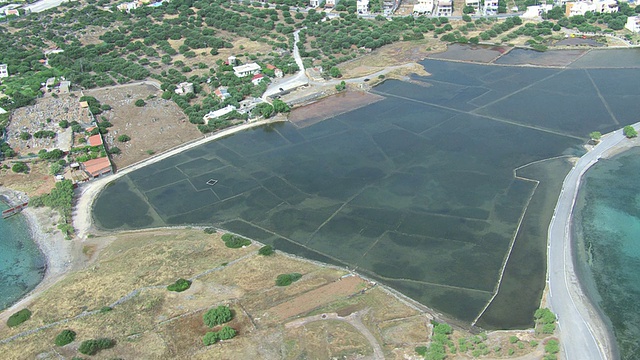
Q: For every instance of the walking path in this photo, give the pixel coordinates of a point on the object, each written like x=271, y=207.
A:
x=583, y=333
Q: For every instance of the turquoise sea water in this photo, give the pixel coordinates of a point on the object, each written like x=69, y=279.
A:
x=22, y=265
x=607, y=232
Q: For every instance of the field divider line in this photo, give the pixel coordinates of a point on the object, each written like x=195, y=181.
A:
x=472, y=113
x=336, y=213
x=513, y=241
x=433, y=284
x=604, y=102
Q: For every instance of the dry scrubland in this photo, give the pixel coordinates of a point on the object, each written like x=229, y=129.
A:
x=323, y=315
x=153, y=322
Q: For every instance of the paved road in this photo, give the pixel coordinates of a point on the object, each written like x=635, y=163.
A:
x=583, y=334
x=43, y=5
x=295, y=81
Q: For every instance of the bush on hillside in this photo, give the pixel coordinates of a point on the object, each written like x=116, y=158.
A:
x=180, y=285
x=93, y=346
x=234, y=241
x=65, y=337
x=266, y=250
x=287, y=279
x=210, y=338
x=19, y=317
x=217, y=316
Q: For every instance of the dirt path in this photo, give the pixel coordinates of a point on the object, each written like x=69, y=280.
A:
x=353, y=320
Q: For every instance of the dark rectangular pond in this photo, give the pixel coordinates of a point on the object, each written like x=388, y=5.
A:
x=418, y=190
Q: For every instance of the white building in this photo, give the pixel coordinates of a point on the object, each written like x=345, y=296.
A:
x=536, y=11
x=314, y=3
x=330, y=3
x=128, y=6
x=246, y=69
x=423, y=7
x=3, y=71
x=491, y=6
x=475, y=4
x=184, y=88
x=581, y=7
x=444, y=8
x=218, y=113
x=633, y=24
x=362, y=6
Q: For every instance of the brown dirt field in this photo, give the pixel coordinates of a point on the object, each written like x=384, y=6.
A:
x=390, y=55
x=331, y=106
x=317, y=297
x=329, y=339
x=36, y=182
x=163, y=119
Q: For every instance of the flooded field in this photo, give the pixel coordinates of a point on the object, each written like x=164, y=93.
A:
x=418, y=190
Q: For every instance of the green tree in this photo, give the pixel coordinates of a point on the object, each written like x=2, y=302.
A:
x=65, y=337
x=287, y=279
x=20, y=167
x=217, y=316
x=140, y=103
x=266, y=250
x=629, y=131
x=552, y=347
x=596, y=135
x=124, y=138
x=93, y=346
x=18, y=318
x=335, y=72
x=226, y=333
x=210, y=338
x=25, y=135
x=180, y=285
x=280, y=106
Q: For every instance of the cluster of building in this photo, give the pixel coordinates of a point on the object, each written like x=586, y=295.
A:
x=582, y=7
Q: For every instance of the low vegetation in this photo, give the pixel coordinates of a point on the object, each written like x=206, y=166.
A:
x=235, y=241
x=287, y=279
x=180, y=285
x=225, y=333
x=20, y=167
x=60, y=198
x=629, y=132
x=19, y=317
x=217, y=316
x=93, y=346
x=440, y=341
x=545, y=321
x=65, y=337
x=266, y=250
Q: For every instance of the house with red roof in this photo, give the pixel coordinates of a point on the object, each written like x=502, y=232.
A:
x=257, y=78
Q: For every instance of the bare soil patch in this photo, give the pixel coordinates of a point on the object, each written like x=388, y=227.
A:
x=328, y=293
x=331, y=106
x=158, y=126
x=36, y=182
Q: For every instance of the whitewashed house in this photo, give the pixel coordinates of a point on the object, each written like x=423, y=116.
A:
x=246, y=69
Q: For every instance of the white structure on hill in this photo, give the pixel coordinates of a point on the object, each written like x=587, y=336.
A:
x=444, y=8
x=362, y=6
x=536, y=11
x=3, y=71
x=246, y=69
x=184, y=88
x=314, y=3
x=581, y=7
x=423, y=7
x=633, y=24
x=219, y=113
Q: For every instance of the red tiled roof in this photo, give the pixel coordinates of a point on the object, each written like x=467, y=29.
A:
x=95, y=140
x=257, y=76
x=97, y=166
x=271, y=67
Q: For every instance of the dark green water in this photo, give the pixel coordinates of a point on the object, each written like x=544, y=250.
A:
x=608, y=238
x=417, y=190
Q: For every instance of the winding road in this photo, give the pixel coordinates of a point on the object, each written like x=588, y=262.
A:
x=583, y=333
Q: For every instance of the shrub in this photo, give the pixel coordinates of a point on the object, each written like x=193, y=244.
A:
x=180, y=285
x=552, y=347
x=105, y=309
x=630, y=132
x=140, y=103
x=266, y=250
x=226, y=333
x=20, y=167
x=19, y=317
x=217, y=316
x=91, y=347
x=65, y=337
x=115, y=150
x=513, y=339
x=287, y=279
x=234, y=241
x=25, y=135
x=124, y=138
x=210, y=338
x=209, y=230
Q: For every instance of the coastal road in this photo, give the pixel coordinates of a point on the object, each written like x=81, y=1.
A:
x=583, y=333
x=43, y=5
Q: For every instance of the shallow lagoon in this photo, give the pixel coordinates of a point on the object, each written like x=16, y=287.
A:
x=417, y=190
